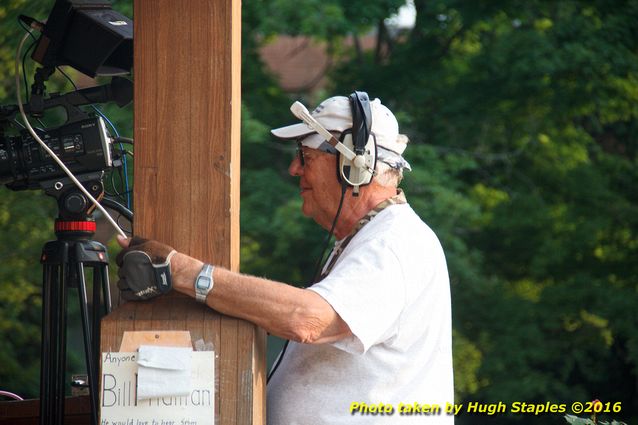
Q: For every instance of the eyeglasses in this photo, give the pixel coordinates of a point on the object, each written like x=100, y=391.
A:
x=302, y=161
x=307, y=157
x=325, y=147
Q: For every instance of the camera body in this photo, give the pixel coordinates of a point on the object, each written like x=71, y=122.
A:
x=84, y=146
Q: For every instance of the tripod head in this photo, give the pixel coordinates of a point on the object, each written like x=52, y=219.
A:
x=74, y=208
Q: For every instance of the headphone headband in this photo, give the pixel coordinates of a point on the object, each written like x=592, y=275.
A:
x=361, y=120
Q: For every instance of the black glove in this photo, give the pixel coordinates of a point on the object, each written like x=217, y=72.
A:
x=145, y=269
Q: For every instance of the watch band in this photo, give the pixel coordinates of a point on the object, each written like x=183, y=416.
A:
x=204, y=283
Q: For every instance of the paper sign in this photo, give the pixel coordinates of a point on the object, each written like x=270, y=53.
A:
x=119, y=404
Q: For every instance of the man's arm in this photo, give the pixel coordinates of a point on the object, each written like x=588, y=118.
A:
x=282, y=310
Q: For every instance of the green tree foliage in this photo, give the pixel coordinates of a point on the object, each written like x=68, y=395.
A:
x=25, y=226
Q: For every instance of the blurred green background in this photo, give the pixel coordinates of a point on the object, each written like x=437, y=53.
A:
x=523, y=120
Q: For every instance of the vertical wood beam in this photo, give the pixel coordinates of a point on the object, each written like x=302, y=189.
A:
x=186, y=193
x=187, y=106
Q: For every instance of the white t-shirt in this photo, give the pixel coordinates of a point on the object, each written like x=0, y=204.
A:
x=391, y=286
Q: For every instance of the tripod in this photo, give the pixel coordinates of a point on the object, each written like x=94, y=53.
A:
x=64, y=261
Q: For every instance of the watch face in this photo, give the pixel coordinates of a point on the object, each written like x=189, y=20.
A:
x=203, y=283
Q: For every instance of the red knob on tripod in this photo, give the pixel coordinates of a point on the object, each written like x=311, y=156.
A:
x=75, y=226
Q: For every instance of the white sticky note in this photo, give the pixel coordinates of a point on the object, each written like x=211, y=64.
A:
x=163, y=371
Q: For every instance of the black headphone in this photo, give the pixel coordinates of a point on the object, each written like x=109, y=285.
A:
x=361, y=141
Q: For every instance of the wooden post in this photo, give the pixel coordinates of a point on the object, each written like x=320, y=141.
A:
x=186, y=190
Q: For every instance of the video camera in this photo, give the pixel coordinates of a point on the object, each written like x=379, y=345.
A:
x=83, y=143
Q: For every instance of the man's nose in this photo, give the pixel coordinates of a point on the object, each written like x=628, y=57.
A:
x=295, y=168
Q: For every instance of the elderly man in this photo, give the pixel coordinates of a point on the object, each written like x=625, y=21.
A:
x=370, y=339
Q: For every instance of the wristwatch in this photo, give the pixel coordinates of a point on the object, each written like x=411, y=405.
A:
x=204, y=283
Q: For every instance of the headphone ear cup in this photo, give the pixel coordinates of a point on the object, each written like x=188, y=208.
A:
x=347, y=172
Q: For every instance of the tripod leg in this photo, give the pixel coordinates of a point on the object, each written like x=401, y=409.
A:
x=59, y=341
x=100, y=282
x=100, y=306
x=53, y=352
x=106, y=289
x=88, y=347
x=49, y=280
x=96, y=311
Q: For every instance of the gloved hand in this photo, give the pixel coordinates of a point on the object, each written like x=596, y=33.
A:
x=145, y=269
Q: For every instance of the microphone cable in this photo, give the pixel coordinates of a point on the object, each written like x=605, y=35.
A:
x=315, y=275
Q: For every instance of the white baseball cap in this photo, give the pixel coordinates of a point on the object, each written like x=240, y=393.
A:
x=335, y=115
